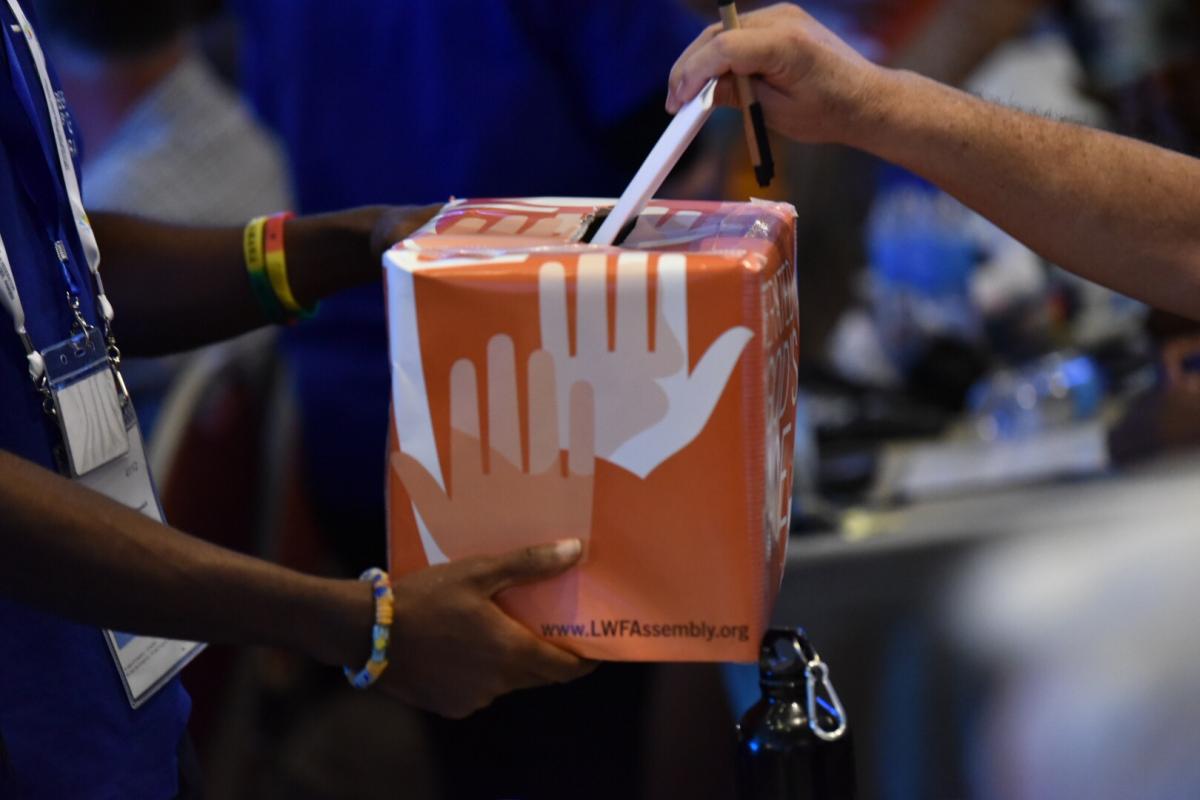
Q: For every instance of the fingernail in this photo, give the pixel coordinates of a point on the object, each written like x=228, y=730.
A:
x=568, y=549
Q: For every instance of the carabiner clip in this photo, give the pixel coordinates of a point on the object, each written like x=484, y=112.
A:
x=81, y=326
x=811, y=670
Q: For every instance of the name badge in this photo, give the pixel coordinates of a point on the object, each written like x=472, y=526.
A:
x=145, y=664
x=86, y=404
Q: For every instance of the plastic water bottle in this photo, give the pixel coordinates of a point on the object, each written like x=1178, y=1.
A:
x=1053, y=391
x=922, y=258
x=794, y=743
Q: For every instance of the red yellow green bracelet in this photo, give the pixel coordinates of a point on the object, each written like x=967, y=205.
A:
x=266, y=266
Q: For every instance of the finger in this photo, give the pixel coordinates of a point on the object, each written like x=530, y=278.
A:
x=527, y=660
x=672, y=302
x=547, y=663
x=633, y=319
x=543, y=413
x=581, y=455
x=591, y=301
x=466, y=458
x=552, y=309
x=741, y=52
x=704, y=38
x=504, y=426
x=398, y=223
x=526, y=565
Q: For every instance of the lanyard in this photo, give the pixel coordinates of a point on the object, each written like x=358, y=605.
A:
x=11, y=299
x=40, y=177
x=70, y=183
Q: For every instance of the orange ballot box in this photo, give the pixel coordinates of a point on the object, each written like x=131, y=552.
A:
x=639, y=397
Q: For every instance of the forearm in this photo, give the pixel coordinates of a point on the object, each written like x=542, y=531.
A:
x=75, y=553
x=1114, y=210
x=176, y=287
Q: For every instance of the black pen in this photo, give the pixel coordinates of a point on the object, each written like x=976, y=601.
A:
x=755, y=125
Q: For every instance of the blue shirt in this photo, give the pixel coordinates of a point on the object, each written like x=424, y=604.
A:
x=413, y=102
x=66, y=727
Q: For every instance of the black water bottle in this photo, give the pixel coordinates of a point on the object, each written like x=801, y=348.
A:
x=794, y=743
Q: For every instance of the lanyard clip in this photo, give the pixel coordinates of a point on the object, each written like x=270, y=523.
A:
x=817, y=672
x=81, y=326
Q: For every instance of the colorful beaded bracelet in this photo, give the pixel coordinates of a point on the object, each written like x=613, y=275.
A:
x=381, y=631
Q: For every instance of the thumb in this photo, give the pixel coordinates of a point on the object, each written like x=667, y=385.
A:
x=527, y=565
x=423, y=489
x=712, y=373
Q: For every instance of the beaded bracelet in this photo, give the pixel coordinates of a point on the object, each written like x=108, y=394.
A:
x=381, y=631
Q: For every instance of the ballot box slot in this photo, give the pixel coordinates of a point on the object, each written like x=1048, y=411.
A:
x=598, y=219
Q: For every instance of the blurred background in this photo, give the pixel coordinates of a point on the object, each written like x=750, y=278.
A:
x=995, y=466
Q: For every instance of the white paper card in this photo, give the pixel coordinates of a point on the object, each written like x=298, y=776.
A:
x=658, y=165
x=145, y=664
x=92, y=424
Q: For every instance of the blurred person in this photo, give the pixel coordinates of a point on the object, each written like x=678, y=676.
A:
x=1141, y=57
x=164, y=134
x=427, y=100
x=83, y=545
x=165, y=137
x=1093, y=690
x=959, y=35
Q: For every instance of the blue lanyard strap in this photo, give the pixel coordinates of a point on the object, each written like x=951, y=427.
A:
x=43, y=182
x=62, y=147
x=63, y=183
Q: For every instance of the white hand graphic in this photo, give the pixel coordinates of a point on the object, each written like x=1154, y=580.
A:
x=647, y=405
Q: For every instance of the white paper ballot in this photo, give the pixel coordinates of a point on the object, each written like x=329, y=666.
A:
x=658, y=165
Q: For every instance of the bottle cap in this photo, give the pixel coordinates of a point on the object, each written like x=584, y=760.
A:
x=788, y=661
x=784, y=656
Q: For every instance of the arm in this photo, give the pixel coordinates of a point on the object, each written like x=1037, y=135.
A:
x=176, y=287
x=1113, y=210
x=76, y=553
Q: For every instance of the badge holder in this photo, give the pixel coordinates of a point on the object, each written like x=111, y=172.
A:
x=81, y=393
